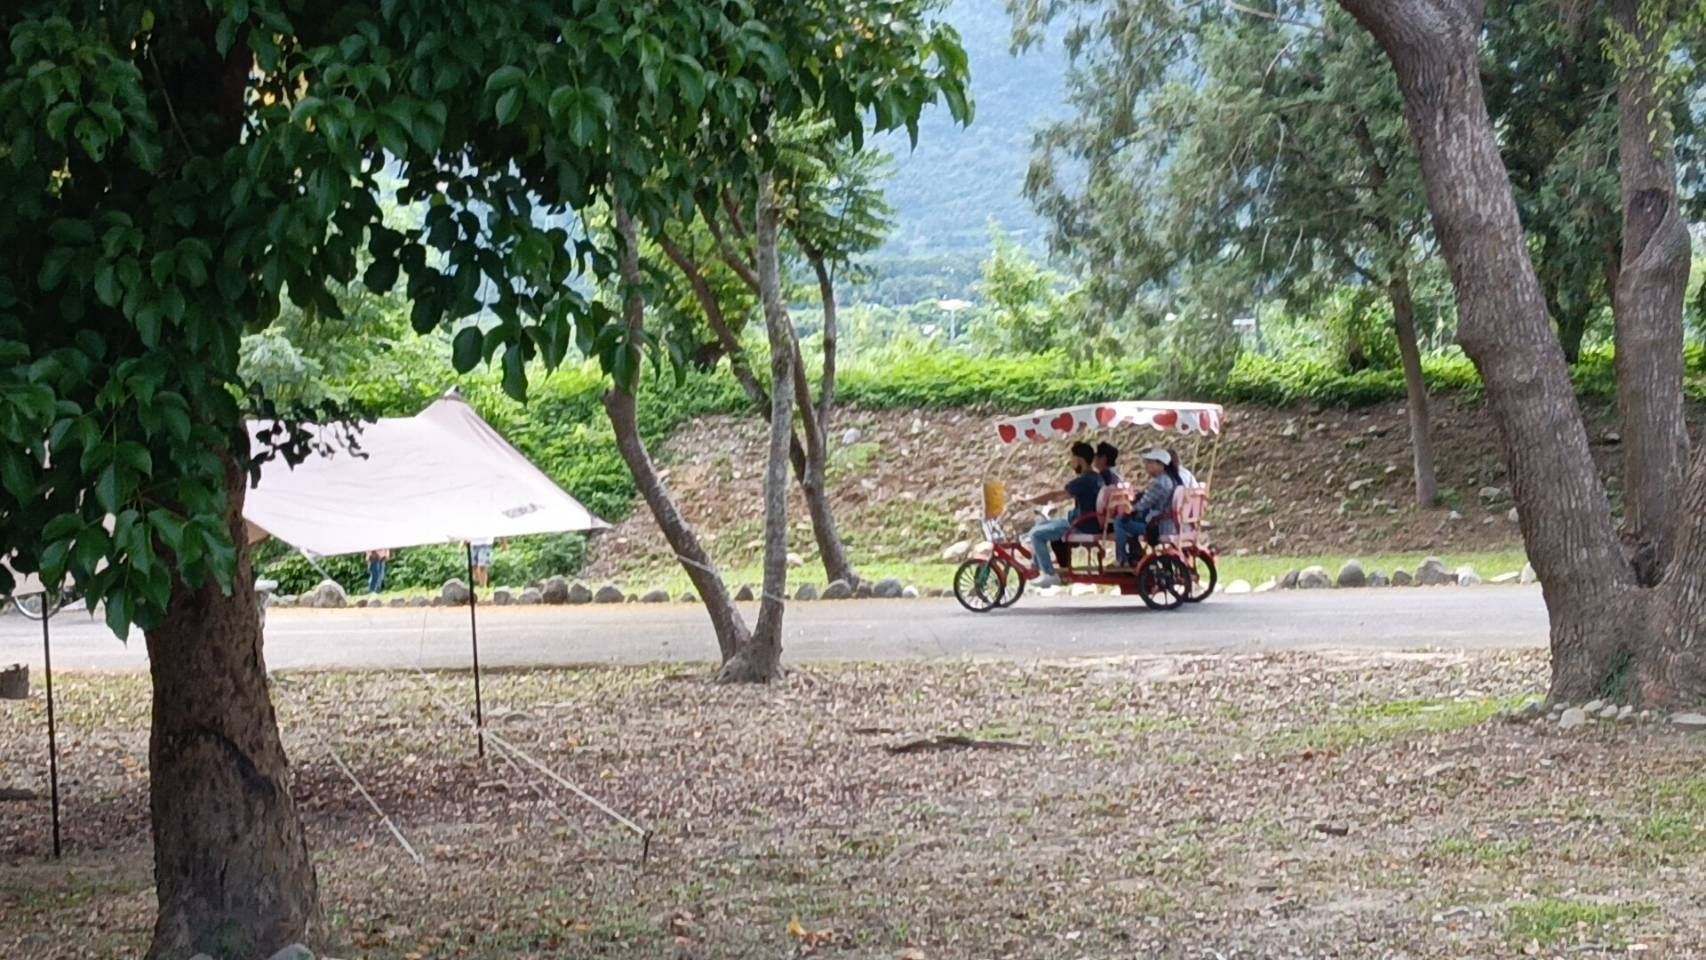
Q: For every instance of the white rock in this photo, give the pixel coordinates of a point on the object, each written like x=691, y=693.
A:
x=1692, y=722
x=1513, y=516
x=1592, y=706
x=1572, y=718
x=1083, y=589
x=1510, y=577
x=295, y=951
x=1454, y=515
x=1467, y=577
x=1238, y=586
x=1357, y=485
x=910, y=593
x=329, y=595
x=1609, y=712
x=795, y=560
x=1627, y=712
x=1266, y=586
x=1528, y=575
x=956, y=552
x=850, y=436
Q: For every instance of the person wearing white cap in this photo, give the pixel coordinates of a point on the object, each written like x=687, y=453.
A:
x=1152, y=515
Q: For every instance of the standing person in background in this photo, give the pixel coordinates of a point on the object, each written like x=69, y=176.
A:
x=482, y=561
x=376, y=563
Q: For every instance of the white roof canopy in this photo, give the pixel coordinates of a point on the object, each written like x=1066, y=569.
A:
x=1165, y=415
x=442, y=476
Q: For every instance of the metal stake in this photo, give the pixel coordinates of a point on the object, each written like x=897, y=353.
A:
x=52, y=732
x=474, y=637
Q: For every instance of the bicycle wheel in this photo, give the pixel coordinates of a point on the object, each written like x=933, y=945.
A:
x=1204, y=577
x=1163, y=582
x=978, y=585
x=1012, y=582
x=32, y=605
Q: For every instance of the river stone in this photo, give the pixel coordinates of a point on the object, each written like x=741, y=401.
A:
x=1378, y=579
x=295, y=951
x=1432, y=573
x=1572, y=718
x=609, y=593
x=850, y=436
x=1609, y=711
x=1352, y=574
x=888, y=588
x=863, y=590
x=1314, y=578
x=529, y=597
x=745, y=593
x=837, y=590
x=1238, y=586
x=398, y=602
x=329, y=595
x=1402, y=578
x=909, y=593
x=579, y=593
x=955, y=552
x=1592, y=706
x=1266, y=586
x=688, y=596
x=419, y=602
x=795, y=560
x=503, y=597
x=360, y=603
x=1504, y=578
x=655, y=596
x=1467, y=577
x=555, y=590
x=1528, y=575
x=454, y=592
x=806, y=591
x=1289, y=580
x=1692, y=722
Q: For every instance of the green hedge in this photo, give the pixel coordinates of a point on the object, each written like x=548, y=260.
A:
x=515, y=562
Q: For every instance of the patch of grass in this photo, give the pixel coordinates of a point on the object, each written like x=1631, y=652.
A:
x=1379, y=722
x=1672, y=833
x=1492, y=854
x=852, y=460
x=1550, y=920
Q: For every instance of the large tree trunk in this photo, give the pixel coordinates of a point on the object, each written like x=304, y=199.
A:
x=1410, y=353
x=1648, y=301
x=621, y=407
x=760, y=660
x=1566, y=521
x=231, y=867
x=1672, y=666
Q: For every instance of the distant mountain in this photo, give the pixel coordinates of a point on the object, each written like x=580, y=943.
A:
x=959, y=179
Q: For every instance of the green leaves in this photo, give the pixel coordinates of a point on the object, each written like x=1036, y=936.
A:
x=585, y=112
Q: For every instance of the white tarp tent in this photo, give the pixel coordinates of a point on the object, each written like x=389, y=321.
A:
x=441, y=476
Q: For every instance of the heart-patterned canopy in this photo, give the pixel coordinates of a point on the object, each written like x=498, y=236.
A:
x=1183, y=418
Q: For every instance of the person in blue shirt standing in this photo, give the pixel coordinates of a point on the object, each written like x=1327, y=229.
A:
x=1082, y=489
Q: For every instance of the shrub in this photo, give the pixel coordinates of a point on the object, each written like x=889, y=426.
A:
x=515, y=562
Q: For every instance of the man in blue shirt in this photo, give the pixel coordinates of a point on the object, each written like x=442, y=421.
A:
x=1082, y=490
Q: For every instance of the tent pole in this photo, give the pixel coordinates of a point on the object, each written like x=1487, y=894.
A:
x=52, y=731
x=474, y=638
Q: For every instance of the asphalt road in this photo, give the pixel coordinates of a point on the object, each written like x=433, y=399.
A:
x=1037, y=628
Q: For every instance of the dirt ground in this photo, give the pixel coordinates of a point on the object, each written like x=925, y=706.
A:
x=1294, y=482
x=1251, y=806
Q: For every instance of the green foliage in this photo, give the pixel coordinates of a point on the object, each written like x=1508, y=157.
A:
x=164, y=196
x=515, y=562
x=938, y=379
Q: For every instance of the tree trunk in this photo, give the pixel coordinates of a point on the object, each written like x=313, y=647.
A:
x=1410, y=352
x=1648, y=303
x=809, y=461
x=1566, y=522
x=231, y=867
x=760, y=660
x=621, y=407
x=1672, y=667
